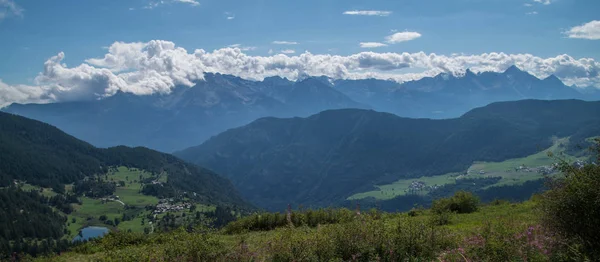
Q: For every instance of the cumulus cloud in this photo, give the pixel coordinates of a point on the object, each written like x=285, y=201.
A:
x=532, y=13
x=284, y=43
x=22, y=94
x=372, y=44
x=402, y=37
x=368, y=12
x=229, y=15
x=158, y=66
x=590, y=30
x=288, y=51
x=9, y=8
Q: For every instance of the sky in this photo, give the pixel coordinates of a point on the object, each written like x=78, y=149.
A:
x=63, y=50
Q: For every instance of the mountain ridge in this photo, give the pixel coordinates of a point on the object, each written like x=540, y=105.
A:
x=321, y=159
x=190, y=115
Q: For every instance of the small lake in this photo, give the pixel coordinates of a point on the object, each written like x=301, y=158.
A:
x=91, y=232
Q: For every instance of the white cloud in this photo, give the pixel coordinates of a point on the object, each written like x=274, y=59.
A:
x=528, y=4
x=270, y=51
x=243, y=48
x=158, y=66
x=402, y=37
x=372, y=44
x=9, y=8
x=288, y=51
x=229, y=15
x=154, y=4
x=22, y=94
x=546, y=2
x=191, y=2
x=368, y=12
x=590, y=30
x=284, y=43
x=532, y=13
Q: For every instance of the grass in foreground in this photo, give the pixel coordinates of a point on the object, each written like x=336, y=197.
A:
x=370, y=236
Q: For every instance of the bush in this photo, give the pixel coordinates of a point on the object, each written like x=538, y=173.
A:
x=363, y=239
x=571, y=210
x=462, y=202
x=311, y=218
x=499, y=202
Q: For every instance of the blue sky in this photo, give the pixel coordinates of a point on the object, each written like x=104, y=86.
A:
x=32, y=31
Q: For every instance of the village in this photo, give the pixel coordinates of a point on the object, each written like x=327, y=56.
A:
x=419, y=186
x=169, y=205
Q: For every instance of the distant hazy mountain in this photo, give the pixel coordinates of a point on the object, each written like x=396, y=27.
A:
x=446, y=96
x=189, y=116
x=323, y=159
x=41, y=154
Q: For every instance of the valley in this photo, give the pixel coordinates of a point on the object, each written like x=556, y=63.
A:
x=511, y=172
x=127, y=209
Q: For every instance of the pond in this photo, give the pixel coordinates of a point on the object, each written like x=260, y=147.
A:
x=91, y=232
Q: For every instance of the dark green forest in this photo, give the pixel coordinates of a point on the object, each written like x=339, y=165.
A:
x=28, y=218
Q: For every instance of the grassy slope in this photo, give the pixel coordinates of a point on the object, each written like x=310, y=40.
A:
x=517, y=217
x=504, y=169
x=88, y=213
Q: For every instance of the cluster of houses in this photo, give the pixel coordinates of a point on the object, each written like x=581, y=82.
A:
x=523, y=168
x=167, y=205
x=111, y=198
x=156, y=182
x=546, y=170
x=420, y=186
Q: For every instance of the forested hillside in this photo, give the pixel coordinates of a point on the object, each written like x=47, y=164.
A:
x=329, y=156
x=54, y=184
x=43, y=155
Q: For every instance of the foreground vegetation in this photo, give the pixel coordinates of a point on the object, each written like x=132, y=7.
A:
x=493, y=233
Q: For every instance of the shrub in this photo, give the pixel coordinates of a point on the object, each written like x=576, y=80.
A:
x=571, y=210
x=499, y=202
x=462, y=202
x=311, y=218
x=363, y=239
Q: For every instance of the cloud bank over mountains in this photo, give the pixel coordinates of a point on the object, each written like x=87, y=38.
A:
x=158, y=66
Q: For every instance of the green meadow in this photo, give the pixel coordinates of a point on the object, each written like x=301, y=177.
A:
x=504, y=169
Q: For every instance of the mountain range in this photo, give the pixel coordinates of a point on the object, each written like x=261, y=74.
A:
x=325, y=158
x=190, y=115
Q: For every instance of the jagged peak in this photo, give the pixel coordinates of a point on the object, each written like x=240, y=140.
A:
x=513, y=69
x=468, y=72
x=552, y=78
